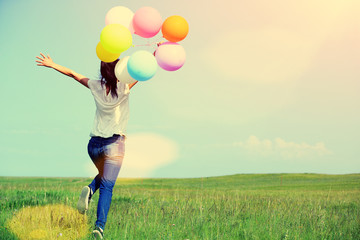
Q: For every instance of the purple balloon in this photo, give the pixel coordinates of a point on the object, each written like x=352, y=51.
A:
x=170, y=56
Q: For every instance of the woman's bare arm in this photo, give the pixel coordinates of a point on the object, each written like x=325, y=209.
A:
x=132, y=84
x=46, y=61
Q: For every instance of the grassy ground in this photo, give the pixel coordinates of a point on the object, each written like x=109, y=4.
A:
x=246, y=206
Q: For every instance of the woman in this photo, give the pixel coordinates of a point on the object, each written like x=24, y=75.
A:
x=106, y=146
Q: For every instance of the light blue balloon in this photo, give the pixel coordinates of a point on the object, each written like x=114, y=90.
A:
x=142, y=65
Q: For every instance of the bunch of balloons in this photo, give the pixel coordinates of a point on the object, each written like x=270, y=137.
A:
x=146, y=22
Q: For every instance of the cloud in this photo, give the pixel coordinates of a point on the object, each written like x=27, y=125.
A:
x=282, y=148
x=144, y=153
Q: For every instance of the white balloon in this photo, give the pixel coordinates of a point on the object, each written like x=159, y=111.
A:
x=120, y=15
x=170, y=56
x=121, y=71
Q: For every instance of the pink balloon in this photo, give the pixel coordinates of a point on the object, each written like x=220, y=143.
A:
x=170, y=56
x=147, y=22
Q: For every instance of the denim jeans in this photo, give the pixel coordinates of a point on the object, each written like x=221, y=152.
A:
x=107, y=154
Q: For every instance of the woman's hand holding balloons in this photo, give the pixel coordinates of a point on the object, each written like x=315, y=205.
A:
x=159, y=43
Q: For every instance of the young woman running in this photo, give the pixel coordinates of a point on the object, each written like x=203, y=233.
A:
x=106, y=147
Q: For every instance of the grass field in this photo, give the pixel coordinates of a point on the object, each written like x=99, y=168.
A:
x=244, y=206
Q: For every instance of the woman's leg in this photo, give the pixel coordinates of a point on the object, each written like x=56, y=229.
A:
x=114, y=154
x=95, y=184
x=107, y=183
x=95, y=150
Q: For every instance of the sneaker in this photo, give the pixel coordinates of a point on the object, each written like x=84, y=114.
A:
x=84, y=199
x=98, y=233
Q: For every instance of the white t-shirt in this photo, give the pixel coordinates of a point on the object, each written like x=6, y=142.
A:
x=112, y=114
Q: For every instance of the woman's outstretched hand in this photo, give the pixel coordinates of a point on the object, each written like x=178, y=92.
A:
x=44, y=61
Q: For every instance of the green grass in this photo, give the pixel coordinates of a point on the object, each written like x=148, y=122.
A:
x=244, y=206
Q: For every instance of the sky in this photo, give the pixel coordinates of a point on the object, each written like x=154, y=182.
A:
x=267, y=87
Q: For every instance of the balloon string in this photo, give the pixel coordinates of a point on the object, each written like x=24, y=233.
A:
x=148, y=44
x=141, y=45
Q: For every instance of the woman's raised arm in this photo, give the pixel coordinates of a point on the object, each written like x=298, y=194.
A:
x=46, y=61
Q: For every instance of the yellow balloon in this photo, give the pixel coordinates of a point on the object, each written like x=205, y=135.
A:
x=115, y=38
x=104, y=55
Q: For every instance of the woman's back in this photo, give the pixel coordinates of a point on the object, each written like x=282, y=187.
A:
x=112, y=113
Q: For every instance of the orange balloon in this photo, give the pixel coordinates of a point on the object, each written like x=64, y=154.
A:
x=175, y=28
x=104, y=55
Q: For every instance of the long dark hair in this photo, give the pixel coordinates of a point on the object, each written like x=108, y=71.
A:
x=107, y=76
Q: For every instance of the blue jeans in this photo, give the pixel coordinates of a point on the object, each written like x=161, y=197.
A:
x=107, y=154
